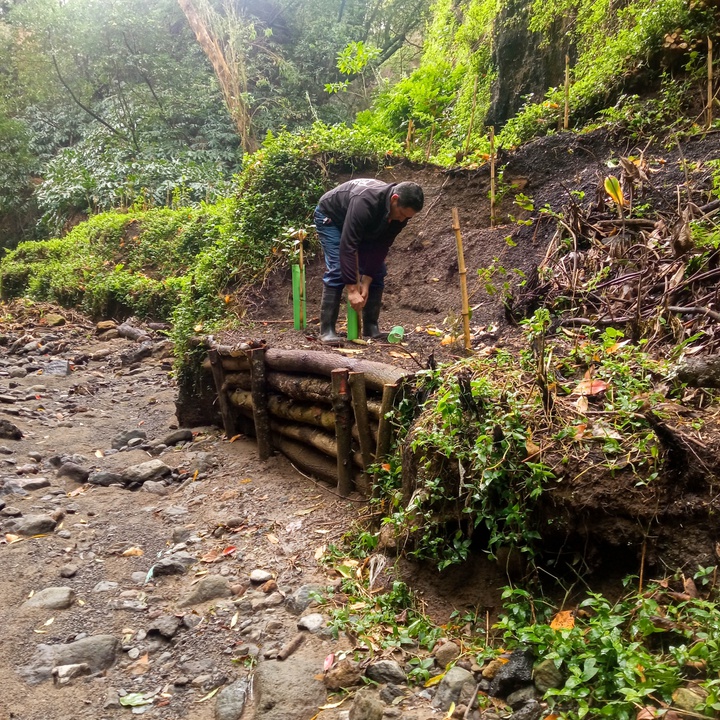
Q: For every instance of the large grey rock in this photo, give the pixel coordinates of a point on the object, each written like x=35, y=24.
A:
x=123, y=438
x=71, y=471
x=386, y=671
x=366, y=706
x=33, y=483
x=178, y=436
x=210, y=587
x=60, y=368
x=34, y=525
x=150, y=470
x=288, y=689
x=230, y=701
x=446, y=653
x=104, y=478
x=52, y=598
x=457, y=684
x=165, y=625
x=521, y=697
x=298, y=602
x=97, y=652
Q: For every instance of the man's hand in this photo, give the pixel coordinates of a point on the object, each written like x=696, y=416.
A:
x=357, y=297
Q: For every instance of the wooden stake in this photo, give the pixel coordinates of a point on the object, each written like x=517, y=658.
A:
x=429, y=147
x=566, y=120
x=258, y=390
x=642, y=564
x=462, y=271
x=226, y=410
x=408, y=137
x=492, y=176
x=472, y=117
x=385, y=428
x=343, y=430
x=710, y=84
x=360, y=408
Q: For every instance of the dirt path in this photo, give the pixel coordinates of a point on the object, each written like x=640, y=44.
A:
x=107, y=538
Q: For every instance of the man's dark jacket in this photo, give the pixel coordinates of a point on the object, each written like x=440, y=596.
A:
x=361, y=208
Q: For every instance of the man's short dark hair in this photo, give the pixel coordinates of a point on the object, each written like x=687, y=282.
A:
x=410, y=195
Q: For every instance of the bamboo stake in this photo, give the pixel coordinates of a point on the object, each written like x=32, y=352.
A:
x=566, y=120
x=360, y=408
x=462, y=271
x=472, y=117
x=260, y=403
x=343, y=430
x=223, y=400
x=301, y=262
x=710, y=84
x=385, y=428
x=492, y=176
x=429, y=147
x=409, y=135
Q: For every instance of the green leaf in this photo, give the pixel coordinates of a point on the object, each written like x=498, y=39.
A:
x=134, y=700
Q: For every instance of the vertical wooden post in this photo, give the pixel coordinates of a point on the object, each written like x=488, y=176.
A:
x=359, y=403
x=258, y=390
x=385, y=428
x=566, y=119
x=462, y=271
x=710, y=94
x=343, y=429
x=408, y=137
x=301, y=262
x=492, y=176
x=472, y=117
x=429, y=147
x=226, y=411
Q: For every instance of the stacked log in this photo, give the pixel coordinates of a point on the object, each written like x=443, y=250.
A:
x=323, y=411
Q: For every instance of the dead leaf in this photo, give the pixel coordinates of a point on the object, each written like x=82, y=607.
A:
x=434, y=680
x=271, y=538
x=307, y=511
x=330, y=706
x=213, y=556
x=531, y=448
x=320, y=552
x=229, y=550
x=234, y=438
x=99, y=453
x=689, y=587
x=590, y=387
x=10, y=538
x=210, y=695
x=329, y=660
x=564, y=620
x=582, y=404
x=234, y=619
x=133, y=552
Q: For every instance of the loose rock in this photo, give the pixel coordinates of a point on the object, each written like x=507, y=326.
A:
x=386, y=671
x=210, y=587
x=366, y=706
x=230, y=701
x=52, y=598
x=71, y=471
x=457, y=685
x=150, y=470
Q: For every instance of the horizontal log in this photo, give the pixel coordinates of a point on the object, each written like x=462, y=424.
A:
x=323, y=363
x=291, y=410
x=322, y=441
x=297, y=387
x=307, y=459
x=231, y=364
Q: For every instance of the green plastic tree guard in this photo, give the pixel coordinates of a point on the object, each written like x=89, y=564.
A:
x=299, y=302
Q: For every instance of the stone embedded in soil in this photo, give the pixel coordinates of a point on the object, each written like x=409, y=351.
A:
x=546, y=675
x=29, y=484
x=389, y=692
x=312, y=622
x=521, y=697
x=386, y=671
x=4, y=450
x=18, y=372
x=446, y=653
x=453, y=688
x=64, y=674
x=230, y=701
x=68, y=571
x=366, y=706
x=211, y=587
x=105, y=586
x=52, y=598
x=98, y=652
x=150, y=470
x=178, y=436
x=516, y=673
x=260, y=576
x=60, y=368
x=155, y=487
x=299, y=601
x=343, y=674
x=165, y=625
x=532, y=711
x=72, y=471
x=104, y=478
x=8, y=431
x=686, y=699
x=123, y=438
x=34, y=525
x=288, y=689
